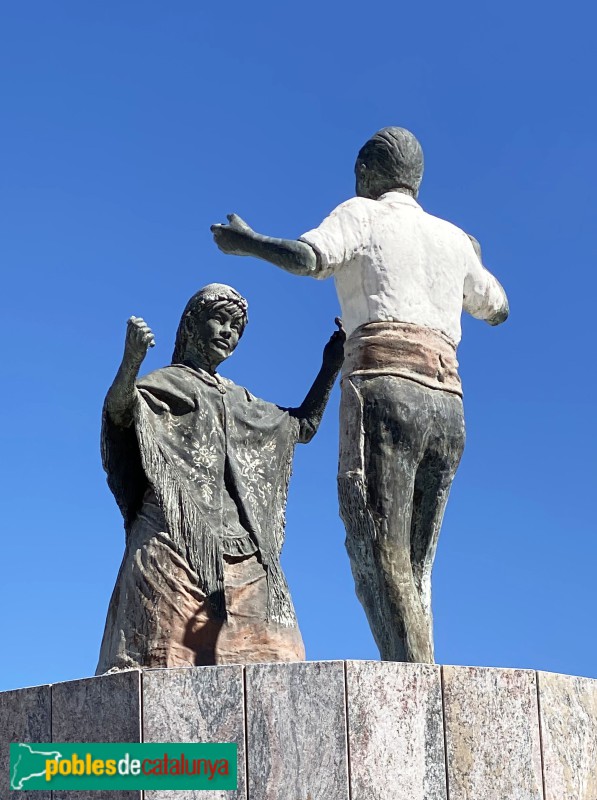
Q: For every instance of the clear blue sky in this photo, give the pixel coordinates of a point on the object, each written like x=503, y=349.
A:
x=127, y=128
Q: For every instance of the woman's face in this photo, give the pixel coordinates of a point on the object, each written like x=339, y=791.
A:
x=218, y=331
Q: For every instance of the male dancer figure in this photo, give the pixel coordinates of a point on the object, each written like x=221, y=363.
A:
x=403, y=278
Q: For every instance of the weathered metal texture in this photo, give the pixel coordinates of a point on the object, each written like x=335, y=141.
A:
x=492, y=734
x=395, y=731
x=106, y=709
x=568, y=708
x=296, y=725
x=25, y=716
x=394, y=265
x=201, y=704
x=400, y=445
x=200, y=468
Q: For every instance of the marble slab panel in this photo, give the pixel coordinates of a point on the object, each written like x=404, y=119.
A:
x=568, y=709
x=395, y=731
x=492, y=734
x=25, y=716
x=296, y=731
x=102, y=709
x=198, y=704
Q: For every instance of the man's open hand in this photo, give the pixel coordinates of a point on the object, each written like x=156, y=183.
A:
x=139, y=338
x=234, y=237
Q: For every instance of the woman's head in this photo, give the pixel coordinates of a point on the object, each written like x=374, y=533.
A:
x=210, y=327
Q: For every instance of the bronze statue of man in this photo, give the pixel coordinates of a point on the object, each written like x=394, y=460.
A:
x=199, y=468
x=403, y=278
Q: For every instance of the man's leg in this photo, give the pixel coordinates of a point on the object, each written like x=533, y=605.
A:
x=382, y=436
x=361, y=533
x=443, y=450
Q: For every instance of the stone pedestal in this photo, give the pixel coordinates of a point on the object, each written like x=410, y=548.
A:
x=333, y=730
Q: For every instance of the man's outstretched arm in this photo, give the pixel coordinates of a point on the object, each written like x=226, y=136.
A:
x=311, y=409
x=238, y=239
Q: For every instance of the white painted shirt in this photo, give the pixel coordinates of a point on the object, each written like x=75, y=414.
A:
x=393, y=261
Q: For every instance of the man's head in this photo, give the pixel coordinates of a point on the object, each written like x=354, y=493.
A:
x=210, y=327
x=391, y=159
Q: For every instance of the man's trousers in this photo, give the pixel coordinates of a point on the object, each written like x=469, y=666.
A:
x=400, y=446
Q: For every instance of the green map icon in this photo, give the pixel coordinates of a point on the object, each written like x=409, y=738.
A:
x=28, y=763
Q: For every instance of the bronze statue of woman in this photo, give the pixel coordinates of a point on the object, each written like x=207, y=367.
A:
x=200, y=468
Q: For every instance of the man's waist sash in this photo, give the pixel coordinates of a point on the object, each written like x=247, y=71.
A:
x=405, y=350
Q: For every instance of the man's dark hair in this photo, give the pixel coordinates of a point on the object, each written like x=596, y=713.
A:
x=393, y=159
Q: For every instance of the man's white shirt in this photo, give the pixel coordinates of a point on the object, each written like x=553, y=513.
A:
x=393, y=261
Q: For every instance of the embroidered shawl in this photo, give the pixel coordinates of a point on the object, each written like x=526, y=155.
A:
x=194, y=438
